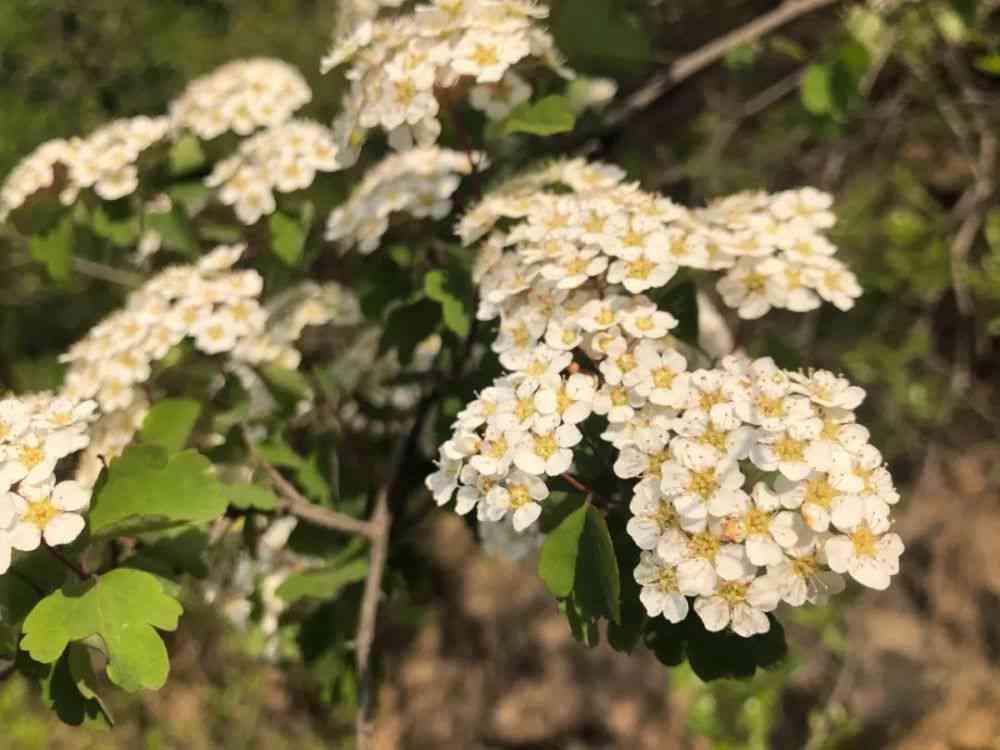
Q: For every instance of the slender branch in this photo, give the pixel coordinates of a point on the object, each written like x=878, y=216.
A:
x=298, y=505
x=687, y=65
x=576, y=484
x=107, y=273
x=80, y=572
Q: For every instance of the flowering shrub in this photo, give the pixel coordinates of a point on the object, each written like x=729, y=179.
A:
x=270, y=386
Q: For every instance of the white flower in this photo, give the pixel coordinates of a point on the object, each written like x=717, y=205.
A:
x=740, y=604
x=546, y=450
x=47, y=510
x=752, y=287
x=660, y=376
x=868, y=552
x=653, y=515
x=802, y=580
x=659, y=594
x=701, y=485
x=443, y=482
x=572, y=400
x=521, y=493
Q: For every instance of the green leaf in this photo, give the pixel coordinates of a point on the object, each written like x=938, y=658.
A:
x=123, y=233
x=597, y=586
x=988, y=63
x=446, y=288
x=186, y=156
x=146, y=489
x=625, y=634
x=600, y=36
x=288, y=238
x=251, y=496
x=681, y=301
x=407, y=325
x=123, y=608
x=169, y=423
x=324, y=582
x=816, y=89
x=173, y=553
x=548, y=116
x=557, y=562
x=54, y=249
x=992, y=229
x=69, y=689
x=290, y=386
x=175, y=230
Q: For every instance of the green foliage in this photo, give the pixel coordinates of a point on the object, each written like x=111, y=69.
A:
x=452, y=291
x=600, y=36
x=578, y=558
x=288, y=238
x=54, y=249
x=123, y=608
x=548, y=116
x=324, y=582
x=251, y=497
x=170, y=422
x=148, y=488
x=70, y=690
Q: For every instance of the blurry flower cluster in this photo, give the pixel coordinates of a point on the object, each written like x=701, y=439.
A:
x=240, y=96
x=565, y=272
x=284, y=158
x=397, y=65
x=418, y=182
x=105, y=160
x=36, y=433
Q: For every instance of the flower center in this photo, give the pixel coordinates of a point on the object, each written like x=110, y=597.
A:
x=667, y=580
x=640, y=269
x=788, y=449
x=805, y=567
x=705, y=545
x=733, y=592
x=545, y=445
x=864, y=541
x=663, y=377
x=40, y=513
x=819, y=492
x=519, y=495
x=31, y=457
x=703, y=483
x=758, y=522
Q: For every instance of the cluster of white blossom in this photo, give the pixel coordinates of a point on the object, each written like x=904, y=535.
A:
x=210, y=302
x=565, y=273
x=284, y=158
x=419, y=182
x=240, y=96
x=398, y=64
x=36, y=172
x=36, y=433
x=609, y=232
x=756, y=486
x=105, y=160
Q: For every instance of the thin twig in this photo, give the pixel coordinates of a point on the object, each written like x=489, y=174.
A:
x=80, y=572
x=298, y=505
x=107, y=273
x=687, y=65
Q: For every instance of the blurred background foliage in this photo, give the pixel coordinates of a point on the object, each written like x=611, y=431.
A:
x=892, y=106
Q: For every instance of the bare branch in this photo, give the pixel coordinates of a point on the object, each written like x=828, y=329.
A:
x=298, y=505
x=687, y=65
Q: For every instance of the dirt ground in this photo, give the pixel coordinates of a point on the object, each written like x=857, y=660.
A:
x=498, y=668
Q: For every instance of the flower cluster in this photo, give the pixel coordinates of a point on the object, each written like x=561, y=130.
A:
x=419, y=182
x=210, y=302
x=566, y=274
x=36, y=172
x=283, y=158
x=105, y=160
x=240, y=96
x=396, y=65
x=36, y=433
x=755, y=487
x=606, y=231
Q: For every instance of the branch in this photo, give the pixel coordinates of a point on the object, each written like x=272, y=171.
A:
x=298, y=505
x=687, y=65
x=381, y=524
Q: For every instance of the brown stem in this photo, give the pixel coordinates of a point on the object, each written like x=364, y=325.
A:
x=80, y=572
